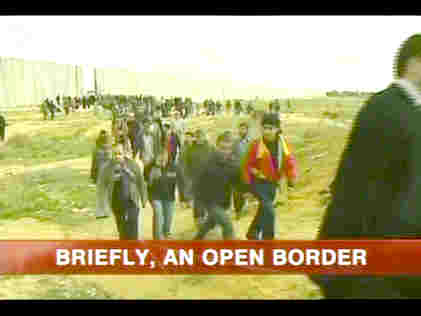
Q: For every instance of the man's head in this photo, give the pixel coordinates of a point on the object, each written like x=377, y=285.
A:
x=150, y=128
x=257, y=115
x=271, y=125
x=103, y=138
x=118, y=152
x=188, y=137
x=243, y=129
x=200, y=137
x=408, y=60
x=166, y=126
x=162, y=158
x=224, y=143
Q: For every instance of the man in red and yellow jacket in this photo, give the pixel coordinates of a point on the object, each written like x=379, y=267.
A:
x=269, y=158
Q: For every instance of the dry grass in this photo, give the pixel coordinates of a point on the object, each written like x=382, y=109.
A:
x=317, y=147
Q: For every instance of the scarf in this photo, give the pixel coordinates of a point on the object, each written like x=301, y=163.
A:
x=259, y=157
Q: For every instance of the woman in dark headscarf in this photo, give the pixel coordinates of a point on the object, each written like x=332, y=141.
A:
x=101, y=154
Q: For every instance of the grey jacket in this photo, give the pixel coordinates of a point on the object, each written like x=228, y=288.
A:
x=105, y=187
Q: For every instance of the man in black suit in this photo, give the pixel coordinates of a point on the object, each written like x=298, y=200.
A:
x=376, y=191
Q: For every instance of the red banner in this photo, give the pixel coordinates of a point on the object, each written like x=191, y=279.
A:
x=351, y=257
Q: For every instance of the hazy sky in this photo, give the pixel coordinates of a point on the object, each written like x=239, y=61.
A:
x=320, y=52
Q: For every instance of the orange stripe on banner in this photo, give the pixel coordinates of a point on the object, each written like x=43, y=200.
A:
x=352, y=257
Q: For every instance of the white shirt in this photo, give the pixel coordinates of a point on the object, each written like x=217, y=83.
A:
x=411, y=89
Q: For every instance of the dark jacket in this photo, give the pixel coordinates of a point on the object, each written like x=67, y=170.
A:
x=136, y=133
x=196, y=157
x=184, y=179
x=175, y=145
x=375, y=193
x=213, y=185
x=161, y=182
x=2, y=127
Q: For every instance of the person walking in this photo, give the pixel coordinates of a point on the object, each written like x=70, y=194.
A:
x=3, y=125
x=376, y=190
x=213, y=188
x=268, y=159
x=121, y=191
x=161, y=179
x=101, y=154
x=196, y=161
x=184, y=179
x=240, y=147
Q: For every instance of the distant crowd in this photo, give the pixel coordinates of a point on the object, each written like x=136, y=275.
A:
x=150, y=105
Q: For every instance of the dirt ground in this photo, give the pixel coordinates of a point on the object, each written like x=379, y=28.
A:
x=299, y=215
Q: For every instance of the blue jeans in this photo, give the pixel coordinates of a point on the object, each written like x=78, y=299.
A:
x=217, y=215
x=199, y=210
x=163, y=214
x=263, y=225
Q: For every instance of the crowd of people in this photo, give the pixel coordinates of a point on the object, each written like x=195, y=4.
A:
x=151, y=155
x=163, y=157
x=165, y=107
x=67, y=104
